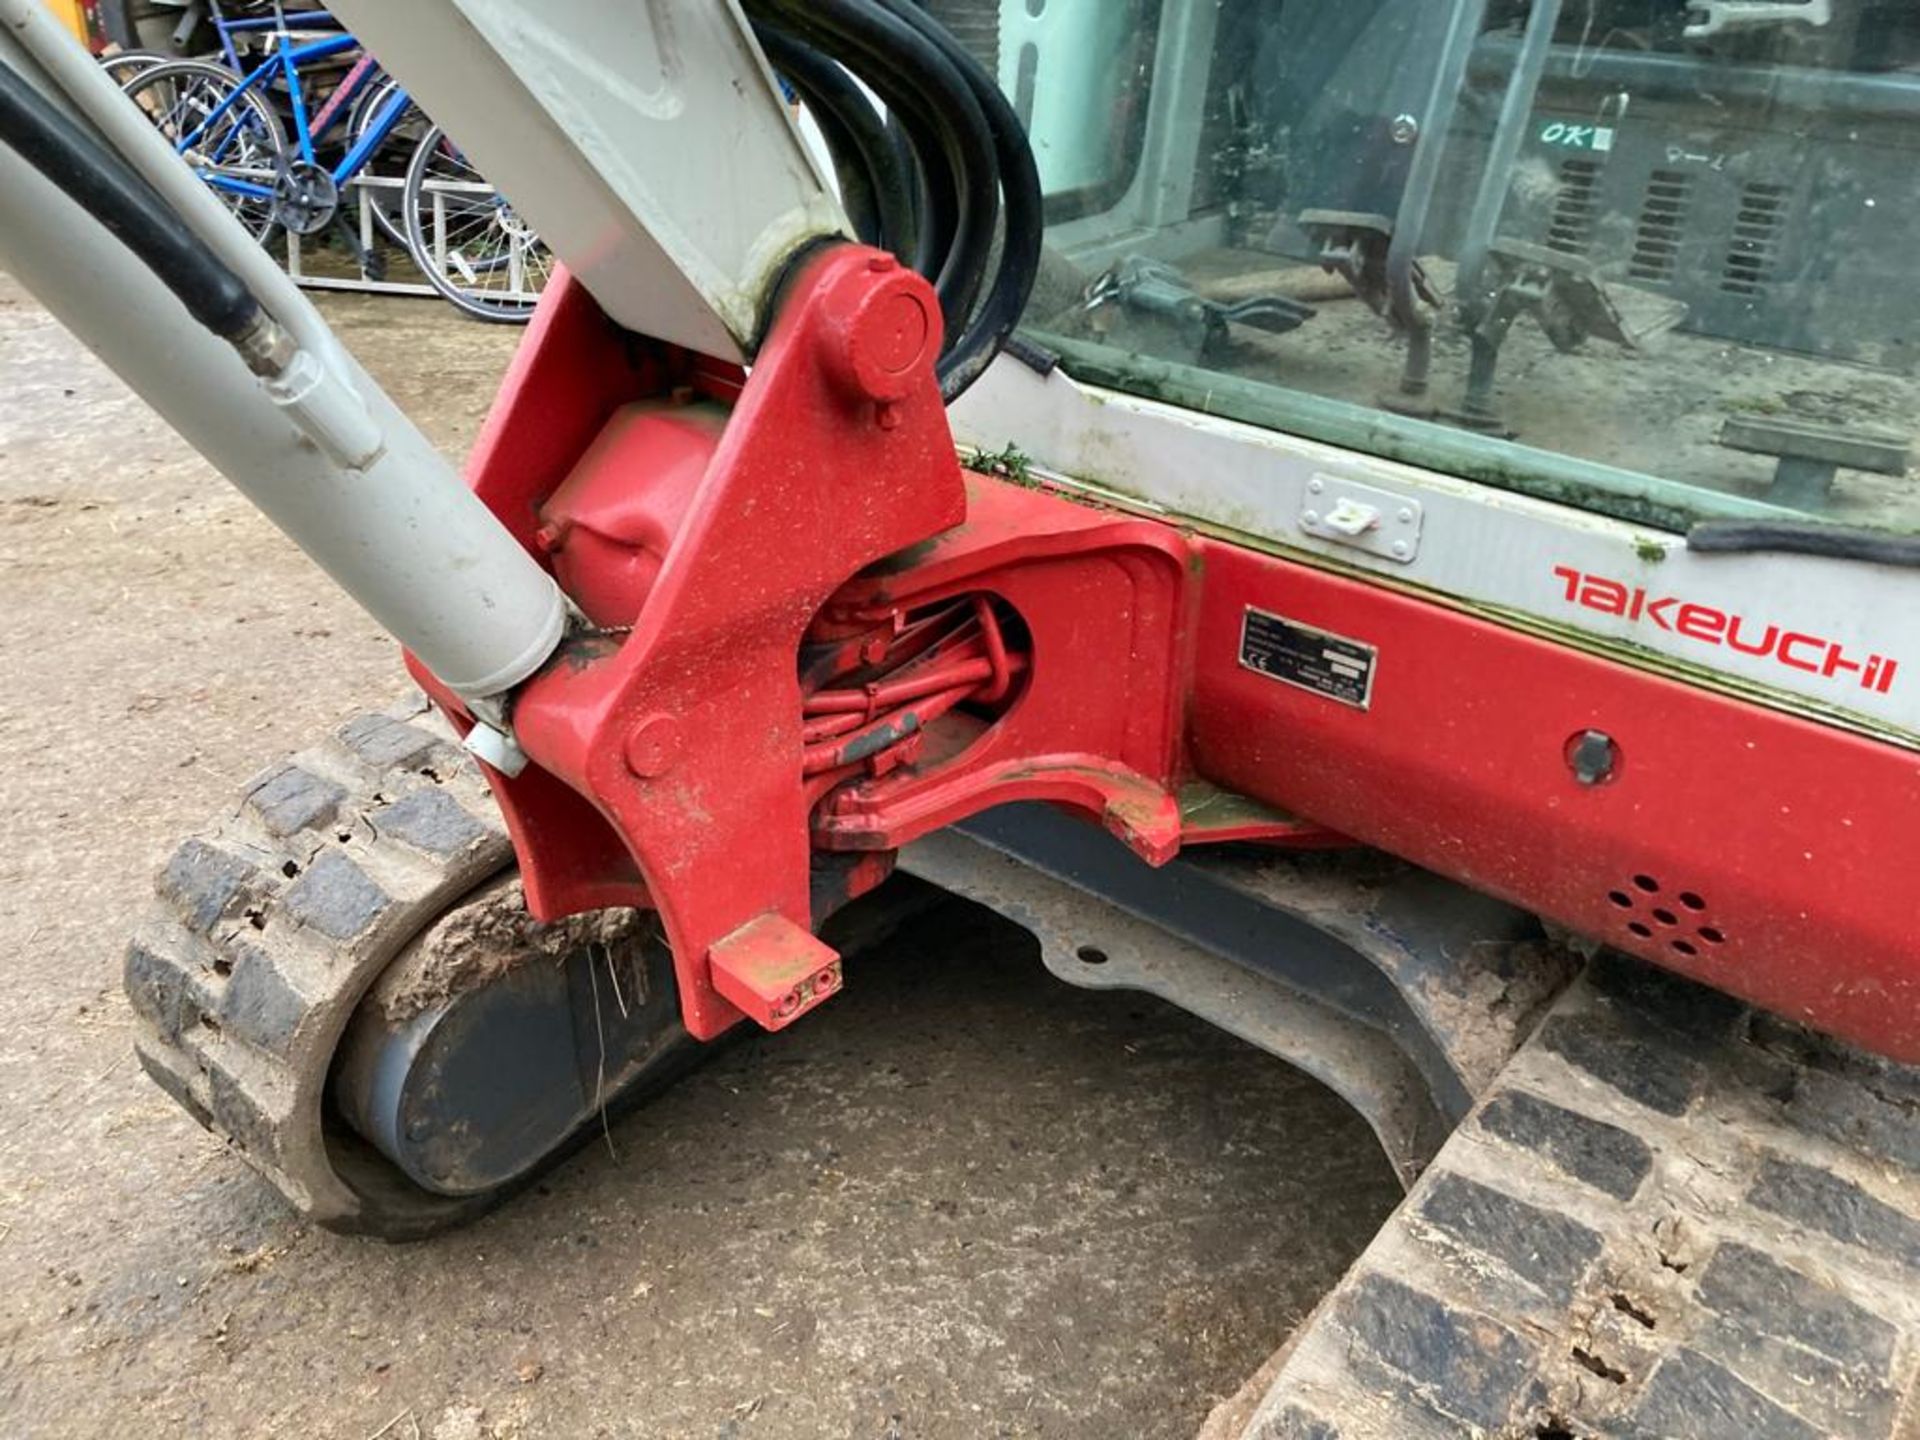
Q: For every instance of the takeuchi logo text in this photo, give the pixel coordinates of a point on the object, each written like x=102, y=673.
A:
x=1795, y=649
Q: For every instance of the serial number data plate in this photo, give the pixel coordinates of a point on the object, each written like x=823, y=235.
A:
x=1295, y=654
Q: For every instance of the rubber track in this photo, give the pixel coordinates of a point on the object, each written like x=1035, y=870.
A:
x=1670, y=1216
x=268, y=928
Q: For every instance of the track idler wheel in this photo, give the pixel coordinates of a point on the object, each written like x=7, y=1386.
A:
x=340, y=979
x=492, y=1039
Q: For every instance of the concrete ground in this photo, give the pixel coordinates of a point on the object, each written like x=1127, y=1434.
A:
x=962, y=1200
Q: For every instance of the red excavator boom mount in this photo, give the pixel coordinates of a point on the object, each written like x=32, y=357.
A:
x=817, y=639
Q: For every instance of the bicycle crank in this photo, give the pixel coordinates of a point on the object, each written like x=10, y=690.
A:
x=305, y=198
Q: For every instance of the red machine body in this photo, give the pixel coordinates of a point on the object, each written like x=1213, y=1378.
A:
x=816, y=639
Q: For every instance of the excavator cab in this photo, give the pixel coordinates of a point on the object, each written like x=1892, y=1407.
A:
x=1620, y=239
x=1387, y=525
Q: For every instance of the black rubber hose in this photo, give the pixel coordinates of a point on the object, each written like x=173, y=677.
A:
x=918, y=82
x=1036, y=358
x=910, y=167
x=968, y=148
x=975, y=187
x=920, y=146
x=929, y=142
x=1023, y=209
x=857, y=191
x=936, y=195
x=889, y=157
x=1803, y=537
x=919, y=91
x=863, y=149
x=108, y=189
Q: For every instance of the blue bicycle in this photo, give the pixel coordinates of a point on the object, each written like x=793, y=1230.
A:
x=226, y=121
x=223, y=121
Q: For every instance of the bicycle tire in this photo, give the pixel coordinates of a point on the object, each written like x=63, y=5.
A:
x=500, y=221
x=254, y=213
x=123, y=67
x=387, y=216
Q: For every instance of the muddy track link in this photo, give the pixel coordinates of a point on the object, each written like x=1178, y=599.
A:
x=267, y=930
x=1669, y=1217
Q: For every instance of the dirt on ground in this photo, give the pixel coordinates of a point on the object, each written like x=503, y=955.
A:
x=961, y=1200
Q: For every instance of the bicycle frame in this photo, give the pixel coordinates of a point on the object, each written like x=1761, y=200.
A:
x=227, y=29
x=285, y=62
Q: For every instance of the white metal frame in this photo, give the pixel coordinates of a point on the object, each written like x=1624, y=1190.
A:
x=1490, y=551
x=360, y=188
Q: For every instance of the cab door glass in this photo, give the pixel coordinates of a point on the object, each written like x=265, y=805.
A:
x=1650, y=257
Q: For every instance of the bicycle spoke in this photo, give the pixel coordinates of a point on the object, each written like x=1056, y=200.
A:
x=229, y=140
x=467, y=239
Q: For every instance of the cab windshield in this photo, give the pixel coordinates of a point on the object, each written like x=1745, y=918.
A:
x=1651, y=257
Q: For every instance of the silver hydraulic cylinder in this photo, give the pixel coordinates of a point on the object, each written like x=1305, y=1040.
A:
x=319, y=447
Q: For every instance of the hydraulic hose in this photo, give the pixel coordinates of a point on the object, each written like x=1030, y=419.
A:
x=874, y=181
x=971, y=166
x=1023, y=216
x=942, y=118
x=114, y=194
x=923, y=178
x=857, y=186
x=1803, y=537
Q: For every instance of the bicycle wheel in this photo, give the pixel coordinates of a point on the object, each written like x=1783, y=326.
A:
x=122, y=66
x=390, y=161
x=467, y=240
x=240, y=155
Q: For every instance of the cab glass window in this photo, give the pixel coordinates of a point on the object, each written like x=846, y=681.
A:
x=1653, y=257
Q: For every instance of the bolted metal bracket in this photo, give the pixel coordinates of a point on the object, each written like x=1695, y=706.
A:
x=774, y=970
x=496, y=747
x=1363, y=516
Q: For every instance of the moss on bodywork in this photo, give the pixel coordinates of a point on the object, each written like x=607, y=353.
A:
x=1009, y=462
